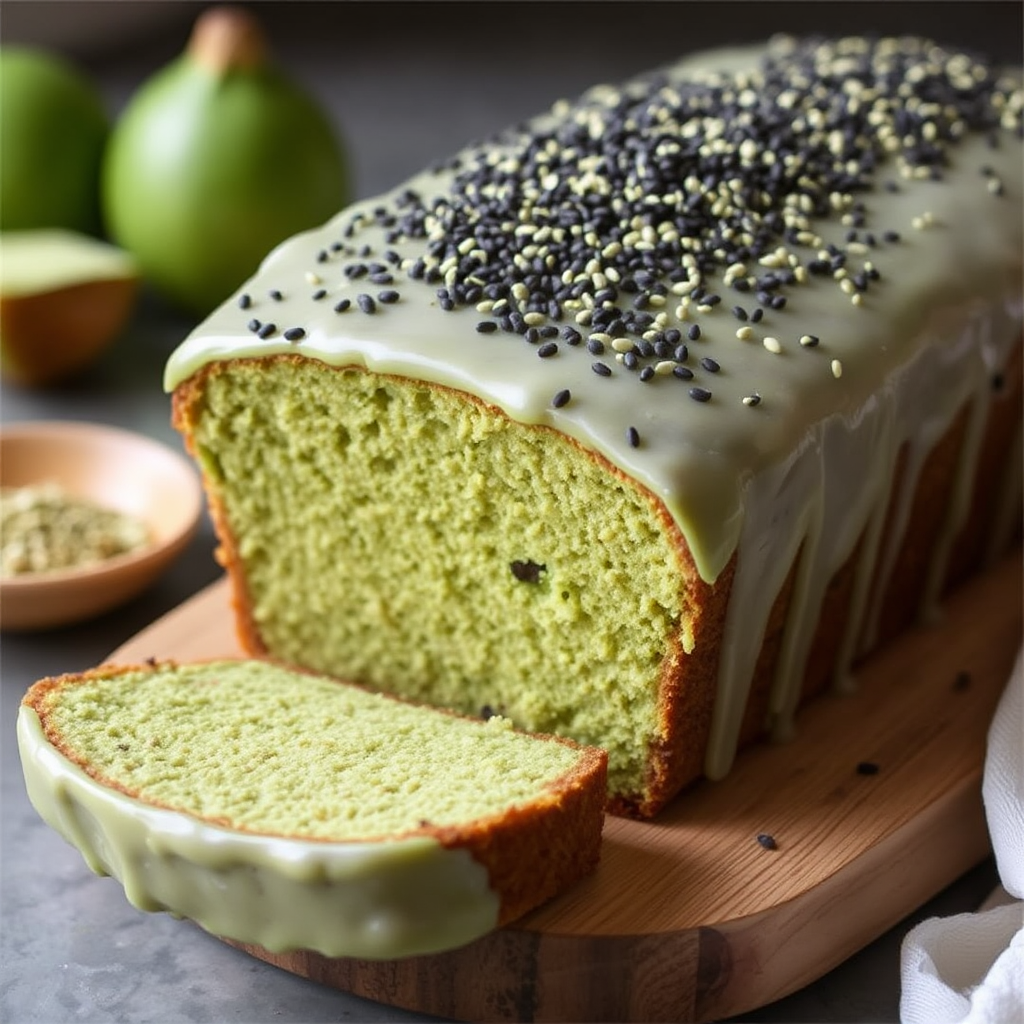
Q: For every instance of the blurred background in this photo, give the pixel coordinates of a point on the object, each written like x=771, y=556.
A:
x=408, y=82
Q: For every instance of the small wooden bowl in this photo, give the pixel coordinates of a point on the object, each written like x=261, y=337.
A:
x=113, y=468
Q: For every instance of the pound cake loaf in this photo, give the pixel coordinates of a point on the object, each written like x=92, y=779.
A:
x=296, y=812
x=646, y=421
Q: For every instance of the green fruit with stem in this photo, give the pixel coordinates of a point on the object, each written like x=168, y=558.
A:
x=53, y=128
x=215, y=160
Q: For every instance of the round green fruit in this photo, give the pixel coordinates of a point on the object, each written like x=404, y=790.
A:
x=216, y=159
x=53, y=128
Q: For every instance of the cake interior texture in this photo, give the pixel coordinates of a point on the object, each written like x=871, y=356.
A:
x=256, y=748
x=482, y=571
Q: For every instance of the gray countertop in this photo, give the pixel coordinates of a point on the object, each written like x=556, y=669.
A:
x=406, y=83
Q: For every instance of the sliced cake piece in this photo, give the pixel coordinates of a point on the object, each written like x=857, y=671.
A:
x=292, y=811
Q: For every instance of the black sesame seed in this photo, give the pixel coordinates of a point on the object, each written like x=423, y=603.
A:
x=962, y=680
x=267, y=330
x=244, y=301
x=632, y=437
x=254, y=325
x=767, y=841
x=757, y=316
x=693, y=333
x=294, y=334
x=528, y=571
x=867, y=768
x=710, y=364
x=739, y=312
x=561, y=398
x=647, y=373
x=681, y=353
x=342, y=305
x=700, y=394
x=320, y=293
x=682, y=372
x=754, y=399
x=548, y=349
x=366, y=303
x=602, y=369
x=276, y=295
x=389, y=296
x=486, y=327
x=571, y=336
x=595, y=346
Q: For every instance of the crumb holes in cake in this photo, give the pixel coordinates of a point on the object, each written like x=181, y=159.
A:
x=528, y=571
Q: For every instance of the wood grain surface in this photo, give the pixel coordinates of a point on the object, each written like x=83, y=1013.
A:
x=689, y=917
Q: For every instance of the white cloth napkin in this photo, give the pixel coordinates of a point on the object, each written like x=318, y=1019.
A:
x=969, y=968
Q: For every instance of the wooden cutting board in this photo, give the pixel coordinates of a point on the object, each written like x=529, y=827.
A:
x=689, y=917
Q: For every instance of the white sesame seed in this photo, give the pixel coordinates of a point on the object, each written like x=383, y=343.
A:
x=745, y=333
x=313, y=278
x=837, y=369
x=772, y=344
x=665, y=367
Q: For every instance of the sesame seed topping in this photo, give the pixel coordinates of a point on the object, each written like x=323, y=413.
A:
x=244, y=301
x=276, y=294
x=342, y=305
x=561, y=398
x=294, y=334
x=623, y=218
x=633, y=437
x=267, y=331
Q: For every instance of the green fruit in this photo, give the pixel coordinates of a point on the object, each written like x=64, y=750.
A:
x=64, y=297
x=215, y=160
x=53, y=127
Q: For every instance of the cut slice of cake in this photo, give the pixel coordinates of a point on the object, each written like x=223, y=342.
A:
x=291, y=811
